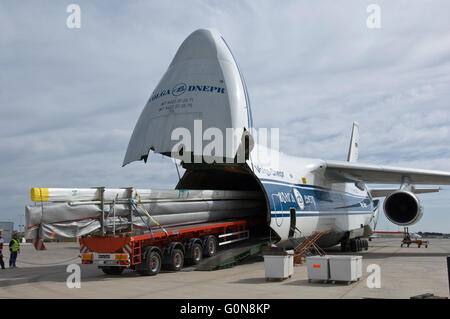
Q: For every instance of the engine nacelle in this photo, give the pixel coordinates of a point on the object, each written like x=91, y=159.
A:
x=403, y=208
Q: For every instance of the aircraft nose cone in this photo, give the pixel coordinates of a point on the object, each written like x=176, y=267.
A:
x=203, y=44
x=202, y=83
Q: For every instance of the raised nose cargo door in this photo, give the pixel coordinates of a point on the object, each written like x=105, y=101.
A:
x=201, y=93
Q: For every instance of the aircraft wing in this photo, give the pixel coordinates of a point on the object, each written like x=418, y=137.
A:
x=383, y=192
x=379, y=174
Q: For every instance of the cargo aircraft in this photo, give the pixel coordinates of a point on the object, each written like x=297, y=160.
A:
x=303, y=196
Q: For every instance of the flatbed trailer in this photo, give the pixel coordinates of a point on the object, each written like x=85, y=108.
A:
x=170, y=248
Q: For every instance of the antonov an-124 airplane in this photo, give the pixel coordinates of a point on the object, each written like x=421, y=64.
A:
x=204, y=89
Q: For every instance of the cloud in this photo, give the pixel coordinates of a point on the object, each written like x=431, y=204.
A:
x=69, y=99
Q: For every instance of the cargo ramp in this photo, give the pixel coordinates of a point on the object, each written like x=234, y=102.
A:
x=234, y=255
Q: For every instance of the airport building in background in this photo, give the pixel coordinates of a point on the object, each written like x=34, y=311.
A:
x=7, y=228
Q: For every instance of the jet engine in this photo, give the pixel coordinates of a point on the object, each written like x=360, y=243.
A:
x=403, y=208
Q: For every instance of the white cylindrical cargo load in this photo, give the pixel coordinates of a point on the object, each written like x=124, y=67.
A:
x=62, y=220
x=93, y=194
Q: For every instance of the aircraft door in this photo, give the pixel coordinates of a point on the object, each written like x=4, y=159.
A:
x=277, y=209
x=293, y=224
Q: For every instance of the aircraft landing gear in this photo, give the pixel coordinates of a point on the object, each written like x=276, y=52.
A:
x=345, y=245
x=354, y=245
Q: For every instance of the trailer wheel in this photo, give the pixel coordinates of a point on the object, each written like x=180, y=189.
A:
x=195, y=254
x=109, y=270
x=176, y=260
x=151, y=263
x=210, y=246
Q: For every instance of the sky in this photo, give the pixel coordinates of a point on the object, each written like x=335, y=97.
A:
x=69, y=98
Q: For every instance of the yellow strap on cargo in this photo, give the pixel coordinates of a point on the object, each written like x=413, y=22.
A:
x=39, y=194
x=154, y=220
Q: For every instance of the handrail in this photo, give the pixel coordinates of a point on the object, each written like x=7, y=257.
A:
x=307, y=243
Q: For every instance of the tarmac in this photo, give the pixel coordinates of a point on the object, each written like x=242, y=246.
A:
x=404, y=272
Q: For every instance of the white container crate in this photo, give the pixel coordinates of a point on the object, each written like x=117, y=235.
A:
x=317, y=268
x=279, y=265
x=345, y=268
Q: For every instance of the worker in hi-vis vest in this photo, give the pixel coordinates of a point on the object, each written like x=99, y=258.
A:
x=14, y=248
x=1, y=250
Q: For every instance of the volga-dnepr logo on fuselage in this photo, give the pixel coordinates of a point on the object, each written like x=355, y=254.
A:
x=181, y=88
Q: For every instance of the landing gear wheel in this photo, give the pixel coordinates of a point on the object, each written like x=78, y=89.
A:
x=361, y=244
x=353, y=245
x=210, y=246
x=151, y=263
x=110, y=270
x=366, y=244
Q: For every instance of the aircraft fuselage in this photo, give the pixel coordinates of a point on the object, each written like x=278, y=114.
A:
x=302, y=201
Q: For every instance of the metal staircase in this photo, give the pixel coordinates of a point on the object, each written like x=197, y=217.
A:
x=302, y=250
